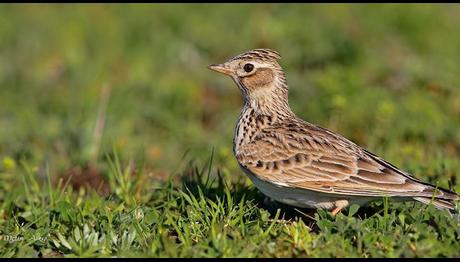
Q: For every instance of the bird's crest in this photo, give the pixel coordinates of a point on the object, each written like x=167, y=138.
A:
x=264, y=54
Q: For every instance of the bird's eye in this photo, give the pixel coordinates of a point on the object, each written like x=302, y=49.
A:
x=248, y=67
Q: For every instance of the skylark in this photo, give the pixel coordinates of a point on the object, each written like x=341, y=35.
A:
x=304, y=165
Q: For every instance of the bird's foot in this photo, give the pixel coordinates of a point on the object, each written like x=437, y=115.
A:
x=339, y=205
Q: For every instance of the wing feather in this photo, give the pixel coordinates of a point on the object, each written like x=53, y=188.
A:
x=315, y=162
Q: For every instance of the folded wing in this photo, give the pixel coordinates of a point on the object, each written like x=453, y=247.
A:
x=326, y=162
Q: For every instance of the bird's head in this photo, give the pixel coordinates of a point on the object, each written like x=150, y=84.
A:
x=257, y=74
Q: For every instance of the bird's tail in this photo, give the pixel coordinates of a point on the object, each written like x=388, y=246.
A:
x=437, y=202
x=440, y=198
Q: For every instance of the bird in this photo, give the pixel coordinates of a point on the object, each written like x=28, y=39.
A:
x=302, y=164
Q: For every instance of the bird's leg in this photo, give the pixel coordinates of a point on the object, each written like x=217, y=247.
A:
x=267, y=201
x=339, y=205
x=336, y=210
x=271, y=204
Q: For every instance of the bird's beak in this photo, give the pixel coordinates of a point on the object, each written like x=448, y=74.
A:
x=221, y=68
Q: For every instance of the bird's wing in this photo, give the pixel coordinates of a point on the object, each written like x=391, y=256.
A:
x=322, y=161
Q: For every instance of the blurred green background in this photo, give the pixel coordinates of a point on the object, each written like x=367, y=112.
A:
x=386, y=76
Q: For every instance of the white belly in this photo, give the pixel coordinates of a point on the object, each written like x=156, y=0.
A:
x=303, y=198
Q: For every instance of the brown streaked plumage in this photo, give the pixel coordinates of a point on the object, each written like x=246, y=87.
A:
x=298, y=163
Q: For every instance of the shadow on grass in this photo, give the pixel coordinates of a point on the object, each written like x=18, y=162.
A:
x=214, y=186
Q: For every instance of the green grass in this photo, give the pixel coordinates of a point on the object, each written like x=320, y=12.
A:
x=207, y=217
x=81, y=82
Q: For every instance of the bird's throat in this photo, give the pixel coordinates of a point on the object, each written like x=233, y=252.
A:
x=255, y=116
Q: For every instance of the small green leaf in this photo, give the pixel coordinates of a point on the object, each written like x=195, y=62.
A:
x=352, y=210
x=64, y=241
